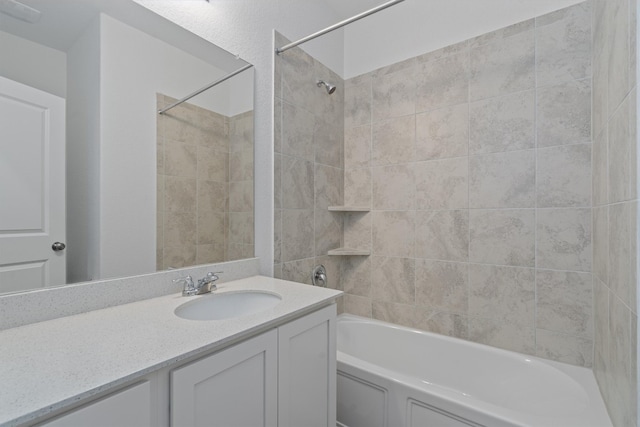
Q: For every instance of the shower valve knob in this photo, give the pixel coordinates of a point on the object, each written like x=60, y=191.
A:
x=319, y=276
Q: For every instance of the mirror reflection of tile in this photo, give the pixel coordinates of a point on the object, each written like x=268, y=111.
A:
x=205, y=186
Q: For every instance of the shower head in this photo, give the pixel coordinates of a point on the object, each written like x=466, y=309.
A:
x=329, y=87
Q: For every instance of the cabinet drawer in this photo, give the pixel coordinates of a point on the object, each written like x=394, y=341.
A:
x=130, y=407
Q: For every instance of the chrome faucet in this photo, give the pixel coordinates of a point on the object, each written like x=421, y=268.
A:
x=189, y=288
x=207, y=283
x=204, y=285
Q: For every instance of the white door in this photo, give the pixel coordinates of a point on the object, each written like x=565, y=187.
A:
x=32, y=187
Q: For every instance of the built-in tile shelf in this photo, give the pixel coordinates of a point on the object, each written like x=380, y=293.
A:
x=349, y=209
x=348, y=252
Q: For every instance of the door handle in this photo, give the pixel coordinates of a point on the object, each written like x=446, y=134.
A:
x=58, y=246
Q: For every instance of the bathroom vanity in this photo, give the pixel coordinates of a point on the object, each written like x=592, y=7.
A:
x=140, y=364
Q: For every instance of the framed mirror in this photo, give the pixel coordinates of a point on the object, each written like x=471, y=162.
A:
x=94, y=182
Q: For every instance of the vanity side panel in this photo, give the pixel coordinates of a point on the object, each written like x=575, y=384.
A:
x=307, y=370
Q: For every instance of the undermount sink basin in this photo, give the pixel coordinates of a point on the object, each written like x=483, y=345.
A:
x=227, y=305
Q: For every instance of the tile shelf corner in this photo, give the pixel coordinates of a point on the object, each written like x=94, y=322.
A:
x=349, y=209
x=348, y=252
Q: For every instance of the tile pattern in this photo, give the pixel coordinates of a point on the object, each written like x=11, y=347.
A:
x=310, y=153
x=615, y=204
x=205, y=186
x=476, y=162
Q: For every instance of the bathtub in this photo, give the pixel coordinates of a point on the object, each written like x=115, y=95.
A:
x=391, y=376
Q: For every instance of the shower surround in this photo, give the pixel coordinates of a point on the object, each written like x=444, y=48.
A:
x=476, y=163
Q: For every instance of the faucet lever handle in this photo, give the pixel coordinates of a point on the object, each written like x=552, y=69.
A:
x=213, y=275
x=207, y=283
x=186, y=279
x=189, y=286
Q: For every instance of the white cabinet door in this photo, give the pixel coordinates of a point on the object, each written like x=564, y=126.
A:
x=236, y=387
x=307, y=370
x=127, y=408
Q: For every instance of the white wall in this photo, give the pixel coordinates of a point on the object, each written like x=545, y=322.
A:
x=245, y=27
x=83, y=156
x=33, y=64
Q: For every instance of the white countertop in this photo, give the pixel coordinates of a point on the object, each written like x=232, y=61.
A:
x=49, y=365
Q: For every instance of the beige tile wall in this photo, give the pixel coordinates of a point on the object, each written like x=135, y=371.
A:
x=615, y=205
x=240, y=232
x=205, y=186
x=309, y=170
x=476, y=162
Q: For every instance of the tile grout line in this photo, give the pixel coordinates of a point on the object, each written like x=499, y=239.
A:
x=535, y=186
x=370, y=183
x=593, y=204
x=468, y=264
x=414, y=251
